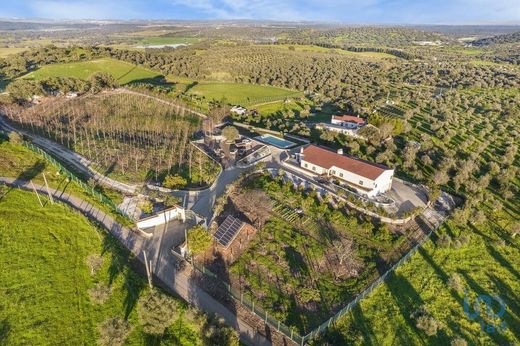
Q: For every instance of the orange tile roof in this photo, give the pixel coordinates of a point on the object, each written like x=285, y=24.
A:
x=349, y=118
x=326, y=158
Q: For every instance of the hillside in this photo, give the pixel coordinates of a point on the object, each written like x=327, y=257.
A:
x=499, y=39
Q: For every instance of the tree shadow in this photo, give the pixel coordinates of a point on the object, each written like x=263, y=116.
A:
x=31, y=172
x=441, y=273
x=110, y=168
x=121, y=262
x=296, y=261
x=5, y=329
x=503, y=261
x=407, y=300
x=511, y=300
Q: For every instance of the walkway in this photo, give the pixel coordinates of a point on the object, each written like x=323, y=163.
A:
x=164, y=263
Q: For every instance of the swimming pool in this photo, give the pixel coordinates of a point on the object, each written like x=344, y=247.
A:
x=276, y=141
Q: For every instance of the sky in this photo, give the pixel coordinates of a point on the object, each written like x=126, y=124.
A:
x=342, y=11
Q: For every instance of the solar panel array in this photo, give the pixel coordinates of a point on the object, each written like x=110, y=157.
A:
x=228, y=230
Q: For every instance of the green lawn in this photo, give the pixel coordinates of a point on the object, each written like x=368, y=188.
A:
x=44, y=280
x=236, y=93
x=122, y=71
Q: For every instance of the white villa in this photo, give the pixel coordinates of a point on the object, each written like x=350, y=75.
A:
x=366, y=177
x=348, y=121
x=346, y=124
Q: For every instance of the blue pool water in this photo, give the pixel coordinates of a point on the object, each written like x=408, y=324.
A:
x=276, y=141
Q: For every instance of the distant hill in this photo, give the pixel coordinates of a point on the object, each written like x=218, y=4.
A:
x=506, y=38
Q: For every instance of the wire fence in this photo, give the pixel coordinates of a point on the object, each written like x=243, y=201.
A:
x=248, y=301
x=89, y=189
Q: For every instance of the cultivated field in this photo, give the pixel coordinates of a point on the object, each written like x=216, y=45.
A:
x=127, y=136
x=123, y=72
x=237, y=93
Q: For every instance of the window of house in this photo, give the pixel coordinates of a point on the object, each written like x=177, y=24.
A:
x=341, y=174
x=313, y=168
x=360, y=182
x=305, y=165
x=332, y=172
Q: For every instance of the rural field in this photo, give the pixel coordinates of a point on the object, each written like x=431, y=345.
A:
x=123, y=72
x=234, y=93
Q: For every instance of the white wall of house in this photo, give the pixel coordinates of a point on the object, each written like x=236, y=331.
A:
x=367, y=186
x=311, y=167
x=347, y=124
x=384, y=181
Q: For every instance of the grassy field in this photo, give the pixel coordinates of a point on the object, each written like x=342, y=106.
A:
x=11, y=50
x=486, y=268
x=17, y=161
x=359, y=55
x=44, y=280
x=122, y=71
x=236, y=93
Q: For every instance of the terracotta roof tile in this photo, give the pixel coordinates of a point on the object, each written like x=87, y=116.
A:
x=326, y=158
x=349, y=118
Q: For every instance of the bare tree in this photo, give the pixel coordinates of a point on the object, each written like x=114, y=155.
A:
x=344, y=249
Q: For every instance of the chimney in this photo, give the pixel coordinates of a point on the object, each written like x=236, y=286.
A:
x=340, y=151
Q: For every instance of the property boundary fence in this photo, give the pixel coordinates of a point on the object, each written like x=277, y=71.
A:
x=249, y=302
x=321, y=328
x=99, y=196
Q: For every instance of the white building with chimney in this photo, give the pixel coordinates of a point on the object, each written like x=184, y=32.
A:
x=367, y=178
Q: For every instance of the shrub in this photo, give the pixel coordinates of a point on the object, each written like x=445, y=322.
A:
x=455, y=282
x=198, y=239
x=444, y=241
x=94, y=262
x=113, y=332
x=100, y=293
x=156, y=311
x=215, y=332
x=15, y=138
x=174, y=182
x=146, y=207
x=428, y=324
x=458, y=341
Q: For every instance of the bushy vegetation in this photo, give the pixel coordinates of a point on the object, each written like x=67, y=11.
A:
x=302, y=266
x=199, y=240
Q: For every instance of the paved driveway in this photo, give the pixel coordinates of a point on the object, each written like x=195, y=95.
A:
x=407, y=197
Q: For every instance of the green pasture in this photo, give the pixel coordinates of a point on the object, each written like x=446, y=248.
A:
x=122, y=71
